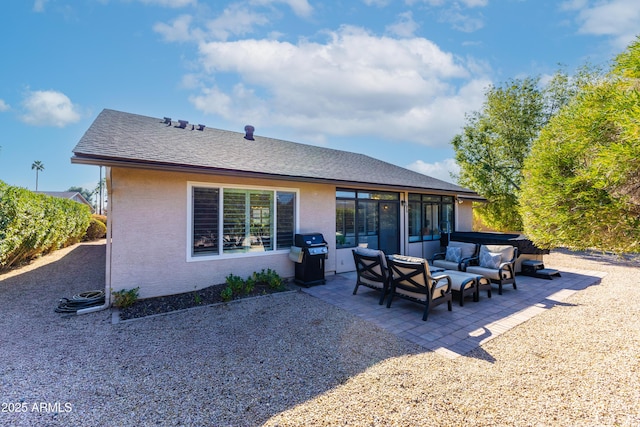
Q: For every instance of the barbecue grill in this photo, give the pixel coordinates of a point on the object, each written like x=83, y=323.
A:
x=309, y=253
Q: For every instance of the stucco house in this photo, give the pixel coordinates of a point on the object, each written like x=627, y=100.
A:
x=188, y=204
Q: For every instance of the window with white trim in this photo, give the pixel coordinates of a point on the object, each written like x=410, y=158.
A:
x=226, y=220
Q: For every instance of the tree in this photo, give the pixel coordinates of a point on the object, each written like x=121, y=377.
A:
x=87, y=194
x=496, y=140
x=38, y=166
x=99, y=193
x=493, y=145
x=582, y=179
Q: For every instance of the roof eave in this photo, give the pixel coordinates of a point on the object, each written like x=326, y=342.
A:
x=172, y=167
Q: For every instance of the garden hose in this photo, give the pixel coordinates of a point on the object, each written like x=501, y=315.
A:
x=80, y=301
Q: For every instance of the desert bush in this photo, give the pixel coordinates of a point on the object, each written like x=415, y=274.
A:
x=125, y=297
x=237, y=287
x=269, y=277
x=235, y=283
x=97, y=230
x=35, y=224
x=101, y=218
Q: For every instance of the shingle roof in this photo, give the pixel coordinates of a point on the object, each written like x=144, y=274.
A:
x=118, y=138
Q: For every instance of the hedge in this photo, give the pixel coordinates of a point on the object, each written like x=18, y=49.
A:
x=35, y=224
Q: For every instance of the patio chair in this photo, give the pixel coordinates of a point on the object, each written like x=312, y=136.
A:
x=372, y=270
x=413, y=281
x=496, y=263
x=456, y=256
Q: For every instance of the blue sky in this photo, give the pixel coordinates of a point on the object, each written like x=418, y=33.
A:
x=390, y=79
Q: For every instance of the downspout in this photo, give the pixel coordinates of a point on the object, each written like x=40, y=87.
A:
x=107, y=287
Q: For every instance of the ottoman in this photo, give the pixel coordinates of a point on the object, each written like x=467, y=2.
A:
x=463, y=284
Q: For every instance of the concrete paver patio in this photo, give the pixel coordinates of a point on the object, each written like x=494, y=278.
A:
x=455, y=333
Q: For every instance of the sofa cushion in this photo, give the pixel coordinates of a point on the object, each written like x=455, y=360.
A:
x=454, y=254
x=506, y=251
x=467, y=249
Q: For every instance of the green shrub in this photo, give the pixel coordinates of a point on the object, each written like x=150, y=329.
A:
x=237, y=287
x=235, y=283
x=97, y=230
x=226, y=294
x=101, y=218
x=271, y=278
x=35, y=224
x=125, y=297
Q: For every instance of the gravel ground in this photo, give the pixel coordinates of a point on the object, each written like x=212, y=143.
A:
x=290, y=360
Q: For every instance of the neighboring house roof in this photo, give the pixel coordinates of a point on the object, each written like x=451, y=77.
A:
x=71, y=195
x=123, y=139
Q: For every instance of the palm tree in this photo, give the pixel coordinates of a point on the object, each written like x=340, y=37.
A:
x=38, y=166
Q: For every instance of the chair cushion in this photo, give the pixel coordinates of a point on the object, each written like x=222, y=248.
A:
x=373, y=252
x=467, y=249
x=373, y=283
x=437, y=293
x=447, y=265
x=408, y=258
x=489, y=273
x=460, y=281
x=490, y=260
x=454, y=254
x=506, y=251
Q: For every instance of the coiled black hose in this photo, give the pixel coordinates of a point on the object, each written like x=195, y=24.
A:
x=79, y=301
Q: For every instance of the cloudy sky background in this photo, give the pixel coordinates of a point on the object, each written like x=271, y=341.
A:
x=390, y=79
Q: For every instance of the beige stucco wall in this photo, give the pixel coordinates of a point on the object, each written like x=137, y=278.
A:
x=148, y=215
x=149, y=232
x=464, y=216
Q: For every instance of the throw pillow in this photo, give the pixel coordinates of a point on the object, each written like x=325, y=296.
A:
x=453, y=254
x=490, y=260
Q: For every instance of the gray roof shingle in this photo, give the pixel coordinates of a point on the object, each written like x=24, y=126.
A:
x=118, y=138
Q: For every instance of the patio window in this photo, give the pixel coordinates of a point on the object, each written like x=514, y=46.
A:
x=240, y=220
x=358, y=217
x=429, y=216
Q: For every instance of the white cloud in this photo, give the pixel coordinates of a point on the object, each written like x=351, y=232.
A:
x=462, y=21
x=354, y=84
x=570, y=5
x=475, y=3
x=440, y=170
x=49, y=108
x=4, y=106
x=300, y=7
x=405, y=26
x=177, y=31
x=236, y=20
x=38, y=5
x=175, y=4
x=616, y=18
x=379, y=3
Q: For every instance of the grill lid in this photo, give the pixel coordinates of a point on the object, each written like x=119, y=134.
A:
x=309, y=239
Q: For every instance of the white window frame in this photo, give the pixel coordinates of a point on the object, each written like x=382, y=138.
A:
x=222, y=187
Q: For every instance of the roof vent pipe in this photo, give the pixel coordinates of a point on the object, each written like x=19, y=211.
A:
x=182, y=124
x=167, y=121
x=249, y=132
